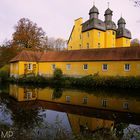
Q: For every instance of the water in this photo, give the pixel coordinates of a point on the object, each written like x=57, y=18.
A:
x=46, y=114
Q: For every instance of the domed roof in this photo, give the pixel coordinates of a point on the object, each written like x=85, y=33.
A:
x=121, y=21
x=108, y=12
x=94, y=10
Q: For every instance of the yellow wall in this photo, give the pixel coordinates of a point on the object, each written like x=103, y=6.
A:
x=92, y=38
x=89, y=123
x=110, y=39
x=14, y=69
x=122, y=42
x=75, y=40
x=21, y=68
x=115, y=68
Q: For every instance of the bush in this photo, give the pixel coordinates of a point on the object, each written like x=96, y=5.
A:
x=57, y=78
x=4, y=76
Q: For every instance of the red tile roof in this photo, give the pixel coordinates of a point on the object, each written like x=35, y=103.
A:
x=106, y=54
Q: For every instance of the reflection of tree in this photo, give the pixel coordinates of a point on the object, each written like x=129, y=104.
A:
x=119, y=128
x=25, y=117
x=57, y=93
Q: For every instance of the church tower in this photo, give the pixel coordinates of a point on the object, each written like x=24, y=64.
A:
x=123, y=35
x=110, y=35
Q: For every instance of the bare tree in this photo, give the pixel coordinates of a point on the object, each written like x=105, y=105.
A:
x=135, y=42
x=136, y=3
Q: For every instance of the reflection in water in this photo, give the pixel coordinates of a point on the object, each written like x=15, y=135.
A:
x=54, y=113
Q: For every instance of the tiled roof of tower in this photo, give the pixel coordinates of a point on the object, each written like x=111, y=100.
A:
x=106, y=54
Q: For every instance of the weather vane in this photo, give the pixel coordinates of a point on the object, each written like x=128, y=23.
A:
x=94, y=2
x=108, y=4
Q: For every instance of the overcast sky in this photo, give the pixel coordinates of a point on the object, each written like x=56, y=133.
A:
x=56, y=17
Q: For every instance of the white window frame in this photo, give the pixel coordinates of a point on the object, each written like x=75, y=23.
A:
x=68, y=98
x=99, y=34
x=99, y=45
x=30, y=66
x=125, y=105
x=85, y=100
x=103, y=67
x=125, y=67
x=53, y=66
x=87, y=45
x=88, y=35
x=104, y=102
x=68, y=66
x=84, y=66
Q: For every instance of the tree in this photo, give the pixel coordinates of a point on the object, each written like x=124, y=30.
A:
x=135, y=42
x=27, y=34
x=136, y=3
x=57, y=44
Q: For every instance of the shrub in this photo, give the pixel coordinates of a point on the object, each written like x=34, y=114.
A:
x=57, y=77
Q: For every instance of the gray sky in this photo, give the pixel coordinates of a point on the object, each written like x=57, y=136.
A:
x=56, y=17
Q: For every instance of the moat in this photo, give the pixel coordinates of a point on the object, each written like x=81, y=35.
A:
x=27, y=112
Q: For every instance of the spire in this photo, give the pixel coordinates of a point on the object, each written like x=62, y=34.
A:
x=108, y=13
x=108, y=3
x=121, y=23
x=93, y=11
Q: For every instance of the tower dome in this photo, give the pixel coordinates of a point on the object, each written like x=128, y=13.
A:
x=121, y=23
x=94, y=12
x=122, y=31
x=108, y=12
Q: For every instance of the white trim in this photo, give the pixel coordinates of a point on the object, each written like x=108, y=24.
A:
x=103, y=67
x=126, y=105
x=127, y=70
x=84, y=67
x=30, y=66
x=53, y=66
x=68, y=66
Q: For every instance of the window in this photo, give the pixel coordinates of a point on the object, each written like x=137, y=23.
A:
x=85, y=100
x=28, y=95
x=67, y=99
x=104, y=103
x=87, y=34
x=99, y=34
x=127, y=67
x=85, y=66
x=99, y=45
x=68, y=66
x=80, y=36
x=53, y=66
x=80, y=46
x=113, y=33
x=126, y=41
x=87, y=45
x=125, y=105
x=30, y=66
x=104, y=67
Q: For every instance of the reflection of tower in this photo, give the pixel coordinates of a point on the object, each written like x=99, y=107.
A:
x=83, y=123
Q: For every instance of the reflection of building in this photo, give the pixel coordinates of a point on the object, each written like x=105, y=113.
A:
x=82, y=123
x=23, y=94
x=74, y=97
x=94, y=47
x=84, y=112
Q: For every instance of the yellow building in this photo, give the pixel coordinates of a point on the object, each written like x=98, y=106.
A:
x=94, y=47
x=95, y=33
